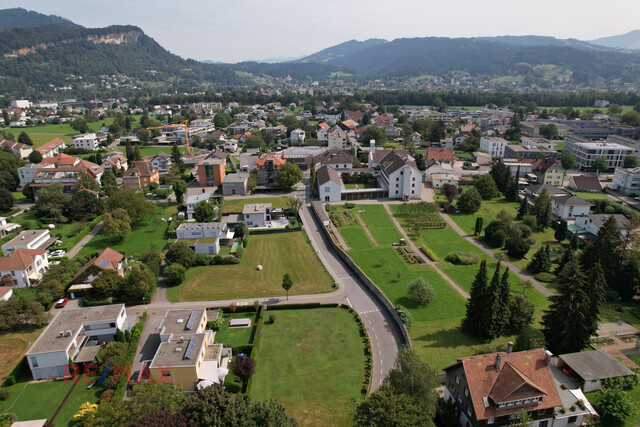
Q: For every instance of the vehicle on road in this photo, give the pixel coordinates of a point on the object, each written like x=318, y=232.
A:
x=62, y=302
x=57, y=253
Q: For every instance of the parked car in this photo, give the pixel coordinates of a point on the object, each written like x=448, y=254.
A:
x=62, y=302
x=140, y=377
x=57, y=253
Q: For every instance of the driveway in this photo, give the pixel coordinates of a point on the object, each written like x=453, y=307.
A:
x=78, y=246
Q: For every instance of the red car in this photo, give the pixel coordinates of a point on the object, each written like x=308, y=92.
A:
x=62, y=302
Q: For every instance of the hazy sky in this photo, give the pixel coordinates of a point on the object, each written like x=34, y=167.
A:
x=236, y=30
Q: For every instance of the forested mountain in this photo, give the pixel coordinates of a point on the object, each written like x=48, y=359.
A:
x=341, y=50
x=19, y=17
x=50, y=56
x=630, y=40
x=544, y=41
x=440, y=56
x=301, y=72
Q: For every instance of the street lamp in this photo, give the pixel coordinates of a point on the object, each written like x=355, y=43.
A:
x=144, y=301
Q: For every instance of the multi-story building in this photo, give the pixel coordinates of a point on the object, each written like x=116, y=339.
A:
x=586, y=152
x=398, y=171
x=337, y=139
x=338, y=159
x=115, y=161
x=51, y=148
x=24, y=267
x=7, y=228
x=548, y=171
x=160, y=161
x=528, y=152
x=18, y=149
x=88, y=141
x=235, y=184
x=193, y=200
x=139, y=175
x=627, y=142
x=205, y=237
x=493, y=145
x=61, y=169
x=211, y=172
x=626, y=181
x=492, y=389
x=532, y=129
x=267, y=168
x=29, y=239
x=297, y=136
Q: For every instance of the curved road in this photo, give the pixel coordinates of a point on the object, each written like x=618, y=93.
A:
x=384, y=338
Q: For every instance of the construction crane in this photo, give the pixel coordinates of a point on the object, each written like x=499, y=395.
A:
x=184, y=125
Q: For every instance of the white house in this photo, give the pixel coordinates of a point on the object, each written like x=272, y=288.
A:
x=323, y=132
x=192, y=201
x=337, y=139
x=493, y=145
x=297, y=136
x=398, y=171
x=593, y=222
x=29, y=239
x=205, y=237
x=569, y=206
x=338, y=159
x=7, y=228
x=115, y=161
x=88, y=141
x=73, y=335
x=440, y=179
x=626, y=181
x=330, y=185
x=256, y=215
x=5, y=293
x=24, y=266
x=160, y=161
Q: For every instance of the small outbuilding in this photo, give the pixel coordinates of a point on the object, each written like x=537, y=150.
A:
x=591, y=368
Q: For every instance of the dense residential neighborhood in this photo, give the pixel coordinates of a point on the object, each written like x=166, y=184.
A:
x=319, y=252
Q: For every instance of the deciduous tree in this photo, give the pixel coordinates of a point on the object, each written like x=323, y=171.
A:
x=469, y=201
x=487, y=188
x=287, y=283
x=420, y=292
x=243, y=367
x=35, y=157
x=117, y=224
x=568, y=160
x=204, y=211
x=288, y=175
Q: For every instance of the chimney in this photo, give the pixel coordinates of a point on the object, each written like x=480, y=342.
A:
x=498, y=361
x=547, y=357
x=372, y=149
x=510, y=347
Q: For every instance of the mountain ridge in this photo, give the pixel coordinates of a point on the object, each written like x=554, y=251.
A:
x=630, y=40
x=20, y=17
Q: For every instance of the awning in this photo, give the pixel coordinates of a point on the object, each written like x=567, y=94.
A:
x=209, y=371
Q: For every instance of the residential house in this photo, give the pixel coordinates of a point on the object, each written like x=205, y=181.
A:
x=115, y=161
x=161, y=162
x=442, y=155
x=139, y=175
x=51, y=148
x=585, y=183
x=528, y=152
x=28, y=171
x=323, y=132
x=73, y=335
x=211, y=171
x=108, y=259
x=493, y=145
x=626, y=181
x=235, y=184
x=533, y=191
x=337, y=139
x=7, y=228
x=341, y=159
x=440, y=179
x=447, y=143
x=539, y=143
x=383, y=120
x=523, y=169
x=398, y=171
x=591, y=368
x=267, y=167
x=459, y=139
x=492, y=389
x=591, y=224
x=348, y=125
x=61, y=169
x=435, y=167
x=29, y=239
x=23, y=267
x=586, y=152
x=188, y=355
x=330, y=185
x=548, y=171
x=256, y=215
x=6, y=292
x=193, y=200
x=88, y=141
x=569, y=206
x=205, y=237
x=297, y=136
x=415, y=137
x=18, y=149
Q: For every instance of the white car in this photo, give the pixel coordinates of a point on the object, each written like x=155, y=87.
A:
x=57, y=254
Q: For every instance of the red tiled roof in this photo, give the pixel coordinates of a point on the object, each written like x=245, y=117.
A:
x=440, y=154
x=51, y=145
x=60, y=159
x=20, y=259
x=324, y=126
x=277, y=161
x=141, y=169
x=108, y=259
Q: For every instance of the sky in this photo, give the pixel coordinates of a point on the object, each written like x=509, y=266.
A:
x=238, y=30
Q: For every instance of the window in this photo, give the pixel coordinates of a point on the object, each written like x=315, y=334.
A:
x=327, y=189
x=34, y=361
x=397, y=179
x=397, y=185
x=543, y=423
x=490, y=421
x=541, y=411
x=466, y=391
x=457, y=379
x=572, y=420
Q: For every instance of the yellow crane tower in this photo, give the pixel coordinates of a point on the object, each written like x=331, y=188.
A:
x=184, y=125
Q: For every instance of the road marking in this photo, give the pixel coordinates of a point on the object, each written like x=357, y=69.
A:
x=373, y=329
x=349, y=302
x=380, y=353
x=370, y=311
x=376, y=335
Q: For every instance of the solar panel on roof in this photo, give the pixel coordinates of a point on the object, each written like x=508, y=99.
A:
x=104, y=263
x=190, y=348
x=192, y=320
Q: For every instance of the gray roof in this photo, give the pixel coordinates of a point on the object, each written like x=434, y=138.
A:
x=176, y=321
x=599, y=219
x=198, y=198
x=571, y=200
x=72, y=319
x=595, y=365
x=26, y=237
x=394, y=161
x=537, y=189
x=202, y=225
x=252, y=208
x=235, y=177
x=174, y=352
x=326, y=174
x=334, y=157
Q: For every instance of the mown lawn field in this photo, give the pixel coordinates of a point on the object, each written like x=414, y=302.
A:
x=321, y=353
x=277, y=254
x=236, y=205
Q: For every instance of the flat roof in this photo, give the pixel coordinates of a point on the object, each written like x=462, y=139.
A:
x=174, y=352
x=71, y=319
x=175, y=321
x=252, y=208
x=595, y=365
x=605, y=145
x=235, y=177
x=26, y=237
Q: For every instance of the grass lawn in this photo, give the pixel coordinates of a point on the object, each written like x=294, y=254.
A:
x=18, y=196
x=277, y=254
x=78, y=396
x=360, y=186
x=43, y=134
x=356, y=237
x=590, y=196
x=13, y=345
x=139, y=240
x=321, y=354
x=235, y=336
x=236, y=205
x=152, y=151
x=376, y=218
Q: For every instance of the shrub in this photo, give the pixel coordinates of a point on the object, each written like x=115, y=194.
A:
x=4, y=395
x=517, y=247
x=201, y=259
x=106, y=395
x=175, y=274
x=498, y=238
x=272, y=318
x=429, y=253
x=349, y=205
x=530, y=221
x=405, y=316
x=462, y=258
x=420, y=292
x=545, y=277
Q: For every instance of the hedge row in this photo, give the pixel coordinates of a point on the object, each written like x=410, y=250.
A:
x=368, y=353
x=70, y=243
x=136, y=331
x=19, y=371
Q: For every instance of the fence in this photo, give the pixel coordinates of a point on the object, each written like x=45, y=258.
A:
x=371, y=287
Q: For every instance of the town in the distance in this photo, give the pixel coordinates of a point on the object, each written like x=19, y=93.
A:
x=329, y=253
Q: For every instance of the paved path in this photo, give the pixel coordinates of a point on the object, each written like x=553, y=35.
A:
x=365, y=227
x=515, y=270
x=428, y=262
x=78, y=246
